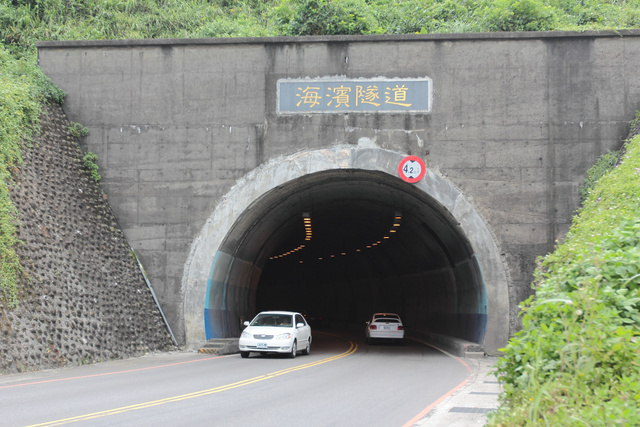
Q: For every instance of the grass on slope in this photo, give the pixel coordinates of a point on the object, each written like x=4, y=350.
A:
x=577, y=359
x=22, y=22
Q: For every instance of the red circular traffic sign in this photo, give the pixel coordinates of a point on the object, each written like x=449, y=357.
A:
x=412, y=169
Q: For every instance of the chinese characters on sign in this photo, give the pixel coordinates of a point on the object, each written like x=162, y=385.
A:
x=358, y=95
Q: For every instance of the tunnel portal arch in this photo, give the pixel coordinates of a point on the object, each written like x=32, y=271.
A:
x=456, y=285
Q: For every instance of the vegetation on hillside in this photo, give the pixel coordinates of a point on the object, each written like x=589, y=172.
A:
x=22, y=22
x=16, y=123
x=23, y=87
x=577, y=359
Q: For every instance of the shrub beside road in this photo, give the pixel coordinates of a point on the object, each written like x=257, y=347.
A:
x=576, y=360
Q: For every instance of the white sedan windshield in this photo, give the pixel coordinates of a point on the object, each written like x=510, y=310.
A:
x=282, y=320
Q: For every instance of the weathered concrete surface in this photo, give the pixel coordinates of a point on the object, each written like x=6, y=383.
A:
x=517, y=119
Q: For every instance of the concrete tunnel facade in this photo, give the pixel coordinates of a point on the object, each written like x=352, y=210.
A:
x=441, y=269
x=209, y=166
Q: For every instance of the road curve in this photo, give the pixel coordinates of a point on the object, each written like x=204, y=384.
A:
x=343, y=382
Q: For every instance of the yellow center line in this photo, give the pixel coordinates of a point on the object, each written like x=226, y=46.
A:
x=352, y=349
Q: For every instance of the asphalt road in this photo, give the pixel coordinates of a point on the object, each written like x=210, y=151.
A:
x=344, y=382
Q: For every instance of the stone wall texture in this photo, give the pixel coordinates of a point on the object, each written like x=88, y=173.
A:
x=83, y=297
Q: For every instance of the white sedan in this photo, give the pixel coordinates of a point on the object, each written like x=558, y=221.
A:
x=384, y=325
x=276, y=332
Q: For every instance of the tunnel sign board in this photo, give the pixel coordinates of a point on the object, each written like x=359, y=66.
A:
x=412, y=169
x=339, y=95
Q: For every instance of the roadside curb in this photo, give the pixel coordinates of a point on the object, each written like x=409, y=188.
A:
x=220, y=346
x=470, y=404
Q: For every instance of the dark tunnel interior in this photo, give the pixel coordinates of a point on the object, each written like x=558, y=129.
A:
x=372, y=242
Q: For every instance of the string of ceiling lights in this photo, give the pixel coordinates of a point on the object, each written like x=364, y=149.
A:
x=306, y=218
x=308, y=233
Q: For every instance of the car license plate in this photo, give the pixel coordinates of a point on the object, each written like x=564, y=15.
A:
x=386, y=328
x=262, y=345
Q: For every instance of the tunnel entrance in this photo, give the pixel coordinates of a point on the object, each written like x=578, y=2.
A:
x=344, y=241
x=341, y=245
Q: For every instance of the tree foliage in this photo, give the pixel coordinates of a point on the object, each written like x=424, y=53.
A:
x=325, y=17
x=519, y=15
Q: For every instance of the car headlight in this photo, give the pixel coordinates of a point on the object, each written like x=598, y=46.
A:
x=245, y=334
x=283, y=336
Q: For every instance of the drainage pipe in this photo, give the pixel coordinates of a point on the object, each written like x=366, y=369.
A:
x=175, y=342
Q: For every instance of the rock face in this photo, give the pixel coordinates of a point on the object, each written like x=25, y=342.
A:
x=83, y=298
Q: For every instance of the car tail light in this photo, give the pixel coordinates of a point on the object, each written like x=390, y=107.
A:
x=400, y=328
x=373, y=327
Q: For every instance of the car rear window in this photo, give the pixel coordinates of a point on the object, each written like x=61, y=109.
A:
x=386, y=316
x=386, y=320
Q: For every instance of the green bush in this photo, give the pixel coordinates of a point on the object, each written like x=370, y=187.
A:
x=325, y=17
x=576, y=360
x=90, y=162
x=76, y=130
x=519, y=15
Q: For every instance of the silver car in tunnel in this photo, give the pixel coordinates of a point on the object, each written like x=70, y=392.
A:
x=384, y=326
x=276, y=332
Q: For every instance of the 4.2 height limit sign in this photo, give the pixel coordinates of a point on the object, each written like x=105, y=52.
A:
x=412, y=169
